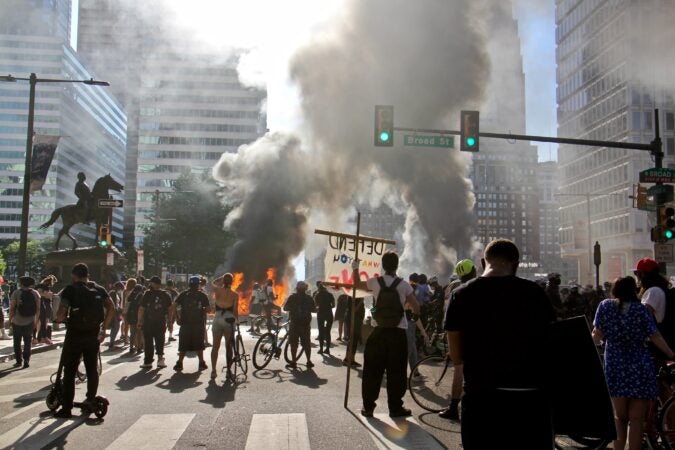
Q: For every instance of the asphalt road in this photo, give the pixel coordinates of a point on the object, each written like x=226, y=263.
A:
x=272, y=408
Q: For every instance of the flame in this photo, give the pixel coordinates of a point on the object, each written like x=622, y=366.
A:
x=245, y=289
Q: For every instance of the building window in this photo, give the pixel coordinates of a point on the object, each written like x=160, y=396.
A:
x=670, y=121
x=670, y=146
x=637, y=116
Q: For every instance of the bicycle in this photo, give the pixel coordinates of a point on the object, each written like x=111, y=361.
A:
x=430, y=382
x=270, y=346
x=660, y=429
x=239, y=356
x=259, y=322
x=81, y=377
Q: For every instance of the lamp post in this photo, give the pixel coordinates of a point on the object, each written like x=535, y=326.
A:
x=25, y=203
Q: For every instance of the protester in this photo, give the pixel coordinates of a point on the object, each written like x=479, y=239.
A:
x=414, y=323
x=44, y=333
x=267, y=301
x=255, y=305
x=386, y=348
x=189, y=310
x=325, y=302
x=24, y=309
x=134, y=293
x=624, y=324
x=497, y=327
x=553, y=292
x=152, y=318
x=340, y=310
x=353, y=337
x=202, y=287
x=173, y=293
x=116, y=295
x=89, y=312
x=227, y=313
x=3, y=332
x=466, y=271
x=653, y=287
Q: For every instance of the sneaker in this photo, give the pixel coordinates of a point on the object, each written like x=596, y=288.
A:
x=320, y=352
x=178, y=367
x=132, y=350
x=450, y=413
x=207, y=344
x=326, y=352
x=292, y=365
x=161, y=363
x=17, y=364
x=202, y=365
x=403, y=412
x=310, y=364
x=367, y=412
x=63, y=414
x=26, y=365
x=214, y=374
x=172, y=339
x=146, y=365
x=354, y=363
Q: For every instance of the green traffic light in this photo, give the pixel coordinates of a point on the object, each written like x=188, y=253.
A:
x=470, y=141
x=384, y=136
x=104, y=243
x=668, y=234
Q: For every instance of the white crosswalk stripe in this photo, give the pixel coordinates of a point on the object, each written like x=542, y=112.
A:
x=165, y=430
x=36, y=433
x=278, y=432
x=399, y=434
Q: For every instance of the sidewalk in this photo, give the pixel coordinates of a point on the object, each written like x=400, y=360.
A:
x=7, y=347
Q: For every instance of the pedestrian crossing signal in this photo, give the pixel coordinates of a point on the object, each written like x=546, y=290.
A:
x=384, y=126
x=469, y=131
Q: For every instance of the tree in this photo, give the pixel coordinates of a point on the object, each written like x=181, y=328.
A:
x=186, y=228
x=36, y=253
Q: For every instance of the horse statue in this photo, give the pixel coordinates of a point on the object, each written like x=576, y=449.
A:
x=74, y=214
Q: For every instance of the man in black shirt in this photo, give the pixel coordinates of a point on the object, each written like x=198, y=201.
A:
x=152, y=316
x=190, y=310
x=82, y=303
x=497, y=327
x=325, y=302
x=300, y=307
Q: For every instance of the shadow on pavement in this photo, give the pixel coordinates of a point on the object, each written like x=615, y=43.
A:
x=307, y=378
x=397, y=433
x=432, y=420
x=127, y=383
x=218, y=396
x=180, y=381
x=9, y=370
x=28, y=398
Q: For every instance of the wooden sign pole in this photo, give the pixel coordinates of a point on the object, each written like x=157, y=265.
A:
x=351, y=349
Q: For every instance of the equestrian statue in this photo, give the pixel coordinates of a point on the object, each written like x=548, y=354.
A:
x=86, y=208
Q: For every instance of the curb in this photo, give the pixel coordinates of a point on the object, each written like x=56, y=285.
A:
x=36, y=350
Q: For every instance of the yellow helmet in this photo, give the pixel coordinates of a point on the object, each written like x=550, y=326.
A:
x=464, y=267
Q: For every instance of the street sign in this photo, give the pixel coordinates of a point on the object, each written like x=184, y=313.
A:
x=661, y=193
x=654, y=175
x=140, y=261
x=418, y=140
x=110, y=259
x=663, y=253
x=110, y=203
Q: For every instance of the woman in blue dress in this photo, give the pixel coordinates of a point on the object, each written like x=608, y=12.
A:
x=625, y=325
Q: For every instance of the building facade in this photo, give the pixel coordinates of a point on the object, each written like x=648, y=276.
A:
x=89, y=120
x=185, y=107
x=602, y=97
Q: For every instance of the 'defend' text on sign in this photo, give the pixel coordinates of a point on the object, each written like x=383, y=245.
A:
x=366, y=248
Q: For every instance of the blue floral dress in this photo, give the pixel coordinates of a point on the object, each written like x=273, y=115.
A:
x=629, y=368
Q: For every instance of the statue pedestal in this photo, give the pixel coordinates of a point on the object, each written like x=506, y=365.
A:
x=61, y=262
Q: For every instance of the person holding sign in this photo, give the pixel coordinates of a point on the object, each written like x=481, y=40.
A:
x=387, y=347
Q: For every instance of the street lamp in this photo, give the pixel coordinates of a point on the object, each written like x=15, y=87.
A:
x=25, y=205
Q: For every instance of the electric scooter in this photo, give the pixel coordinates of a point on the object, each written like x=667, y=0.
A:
x=99, y=407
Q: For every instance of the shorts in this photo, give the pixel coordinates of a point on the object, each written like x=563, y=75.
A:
x=191, y=338
x=220, y=325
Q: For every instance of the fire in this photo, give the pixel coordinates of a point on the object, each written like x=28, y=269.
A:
x=245, y=289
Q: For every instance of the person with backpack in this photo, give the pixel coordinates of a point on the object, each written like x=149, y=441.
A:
x=387, y=347
x=24, y=309
x=325, y=302
x=152, y=318
x=133, y=294
x=189, y=310
x=88, y=311
x=267, y=301
x=173, y=293
x=300, y=307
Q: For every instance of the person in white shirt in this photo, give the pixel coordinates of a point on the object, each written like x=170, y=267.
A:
x=653, y=287
x=386, y=348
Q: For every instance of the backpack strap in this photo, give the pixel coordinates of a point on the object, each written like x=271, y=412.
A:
x=380, y=281
x=396, y=282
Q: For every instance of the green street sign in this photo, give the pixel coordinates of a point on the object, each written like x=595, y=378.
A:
x=654, y=175
x=423, y=140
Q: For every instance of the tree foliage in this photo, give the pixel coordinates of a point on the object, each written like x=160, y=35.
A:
x=186, y=228
x=36, y=254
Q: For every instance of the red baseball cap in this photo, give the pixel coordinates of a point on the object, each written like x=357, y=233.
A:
x=646, y=265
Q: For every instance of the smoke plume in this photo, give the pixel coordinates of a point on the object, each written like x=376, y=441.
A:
x=429, y=60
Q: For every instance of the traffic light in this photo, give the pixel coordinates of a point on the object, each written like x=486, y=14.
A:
x=104, y=236
x=667, y=223
x=641, y=197
x=384, y=126
x=469, y=131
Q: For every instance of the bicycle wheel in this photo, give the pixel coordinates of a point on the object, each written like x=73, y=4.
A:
x=263, y=351
x=287, y=352
x=259, y=325
x=241, y=351
x=580, y=443
x=667, y=424
x=430, y=383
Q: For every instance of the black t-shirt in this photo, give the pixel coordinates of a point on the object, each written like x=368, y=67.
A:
x=73, y=293
x=193, y=305
x=156, y=304
x=324, y=302
x=300, y=308
x=504, y=323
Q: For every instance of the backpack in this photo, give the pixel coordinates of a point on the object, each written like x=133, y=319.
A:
x=86, y=311
x=133, y=301
x=26, y=305
x=388, y=310
x=191, y=311
x=667, y=326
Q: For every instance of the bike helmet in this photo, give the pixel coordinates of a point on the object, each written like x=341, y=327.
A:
x=464, y=267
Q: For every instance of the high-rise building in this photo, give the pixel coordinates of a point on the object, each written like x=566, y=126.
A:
x=504, y=174
x=186, y=107
x=600, y=96
x=89, y=120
